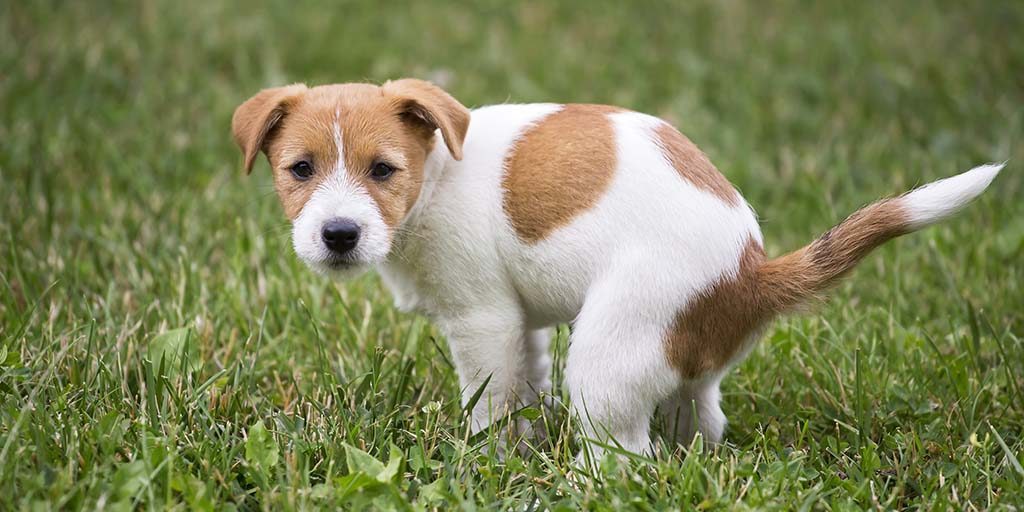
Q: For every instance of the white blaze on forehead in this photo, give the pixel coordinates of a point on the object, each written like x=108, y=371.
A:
x=336, y=130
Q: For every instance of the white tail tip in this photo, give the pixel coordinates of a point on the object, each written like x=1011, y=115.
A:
x=940, y=199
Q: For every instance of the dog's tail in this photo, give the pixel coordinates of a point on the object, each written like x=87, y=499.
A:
x=800, y=276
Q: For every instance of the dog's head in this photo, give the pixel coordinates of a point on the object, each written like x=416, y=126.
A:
x=348, y=161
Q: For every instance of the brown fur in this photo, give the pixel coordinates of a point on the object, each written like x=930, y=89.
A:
x=558, y=169
x=712, y=330
x=803, y=274
x=716, y=326
x=393, y=123
x=257, y=116
x=693, y=165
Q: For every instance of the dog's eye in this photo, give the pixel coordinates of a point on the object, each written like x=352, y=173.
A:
x=381, y=171
x=302, y=170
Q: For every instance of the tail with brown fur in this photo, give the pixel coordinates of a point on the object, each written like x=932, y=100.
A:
x=804, y=274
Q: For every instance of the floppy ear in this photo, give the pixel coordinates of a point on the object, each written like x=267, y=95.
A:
x=427, y=104
x=254, y=119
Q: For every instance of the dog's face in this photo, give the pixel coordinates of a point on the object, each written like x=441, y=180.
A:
x=348, y=161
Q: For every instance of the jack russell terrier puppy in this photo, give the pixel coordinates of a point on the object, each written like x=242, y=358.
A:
x=501, y=222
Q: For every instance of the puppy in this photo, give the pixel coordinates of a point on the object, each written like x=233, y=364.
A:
x=501, y=222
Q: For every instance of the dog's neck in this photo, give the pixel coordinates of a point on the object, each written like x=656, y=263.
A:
x=399, y=270
x=434, y=168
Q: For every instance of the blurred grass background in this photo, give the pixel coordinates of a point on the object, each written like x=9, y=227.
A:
x=162, y=346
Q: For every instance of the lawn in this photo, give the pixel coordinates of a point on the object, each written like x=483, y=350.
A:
x=161, y=346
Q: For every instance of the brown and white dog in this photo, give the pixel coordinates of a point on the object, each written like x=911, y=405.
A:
x=520, y=217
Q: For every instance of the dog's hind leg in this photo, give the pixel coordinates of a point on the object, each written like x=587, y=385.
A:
x=617, y=370
x=694, y=408
x=534, y=388
x=536, y=369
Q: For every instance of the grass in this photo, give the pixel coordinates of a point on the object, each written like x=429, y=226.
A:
x=161, y=346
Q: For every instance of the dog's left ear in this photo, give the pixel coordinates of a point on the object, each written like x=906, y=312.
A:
x=427, y=104
x=254, y=119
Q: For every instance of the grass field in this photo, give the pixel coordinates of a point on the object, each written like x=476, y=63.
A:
x=161, y=346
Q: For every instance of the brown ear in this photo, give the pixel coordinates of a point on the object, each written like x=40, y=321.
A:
x=429, y=104
x=254, y=119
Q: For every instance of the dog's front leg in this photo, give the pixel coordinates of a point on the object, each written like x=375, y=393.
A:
x=487, y=345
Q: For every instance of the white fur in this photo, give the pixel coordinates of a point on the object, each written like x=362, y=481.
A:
x=940, y=199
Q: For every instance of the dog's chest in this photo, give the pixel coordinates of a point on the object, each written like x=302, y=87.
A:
x=449, y=276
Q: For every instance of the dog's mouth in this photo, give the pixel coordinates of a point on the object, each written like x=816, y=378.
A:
x=340, y=263
x=340, y=267
x=337, y=265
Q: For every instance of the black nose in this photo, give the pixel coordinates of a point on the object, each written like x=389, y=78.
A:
x=340, y=235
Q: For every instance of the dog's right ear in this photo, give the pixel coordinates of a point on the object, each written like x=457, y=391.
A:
x=254, y=119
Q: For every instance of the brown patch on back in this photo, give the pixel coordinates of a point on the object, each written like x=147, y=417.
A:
x=693, y=165
x=558, y=169
x=714, y=328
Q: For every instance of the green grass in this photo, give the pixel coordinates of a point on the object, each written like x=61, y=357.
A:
x=124, y=216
